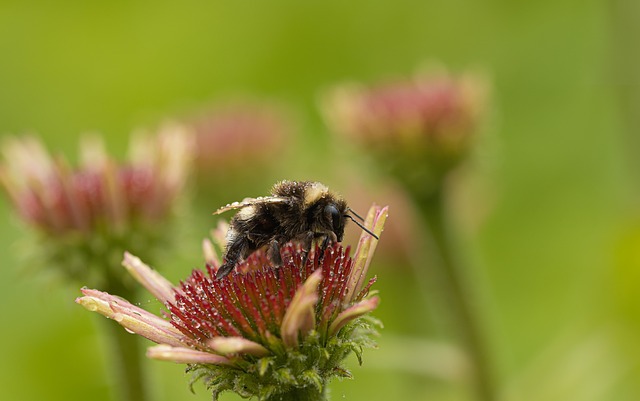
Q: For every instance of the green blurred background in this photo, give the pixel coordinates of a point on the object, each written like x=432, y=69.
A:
x=556, y=258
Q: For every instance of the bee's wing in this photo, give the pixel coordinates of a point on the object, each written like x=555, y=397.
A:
x=251, y=201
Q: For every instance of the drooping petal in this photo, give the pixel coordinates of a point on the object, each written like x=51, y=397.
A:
x=27, y=158
x=300, y=316
x=132, y=318
x=150, y=279
x=219, y=234
x=93, y=155
x=236, y=345
x=77, y=210
x=176, y=146
x=352, y=312
x=209, y=252
x=114, y=200
x=366, y=246
x=96, y=301
x=185, y=355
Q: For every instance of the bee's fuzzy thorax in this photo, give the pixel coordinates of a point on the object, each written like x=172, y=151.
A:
x=314, y=192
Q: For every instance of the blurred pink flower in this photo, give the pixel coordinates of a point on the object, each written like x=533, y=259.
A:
x=420, y=130
x=261, y=331
x=82, y=214
x=233, y=135
x=53, y=196
x=422, y=126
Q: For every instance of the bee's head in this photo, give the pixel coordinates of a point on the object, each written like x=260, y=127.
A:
x=328, y=212
x=334, y=218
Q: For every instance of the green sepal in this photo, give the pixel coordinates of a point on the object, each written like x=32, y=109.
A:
x=285, y=375
x=312, y=377
x=264, y=364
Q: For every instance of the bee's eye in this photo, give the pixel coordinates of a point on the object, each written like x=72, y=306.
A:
x=333, y=215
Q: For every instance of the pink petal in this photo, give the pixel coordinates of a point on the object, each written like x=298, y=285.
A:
x=185, y=355
x=132, y=318
x=93, y=156
x=77, y=210
x=236, y=345
x=113, y=197
x=209, y=252
x=150, y=279
x=352, y=312
x=366, y=246
x=300, y=316
x=176, y=149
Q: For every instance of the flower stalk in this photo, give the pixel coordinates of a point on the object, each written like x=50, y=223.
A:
x=127, y=369
x=420, y=130
x=451, y=277
x=124, y=351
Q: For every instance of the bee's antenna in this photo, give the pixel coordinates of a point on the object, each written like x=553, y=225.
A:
x=360, y=225
x=356, y=214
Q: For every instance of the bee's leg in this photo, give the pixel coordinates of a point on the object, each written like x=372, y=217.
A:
x=328, y=237
x=237, y=250
x=323, y=247
x=225, y=269
x=307, y=241
x=274, y=253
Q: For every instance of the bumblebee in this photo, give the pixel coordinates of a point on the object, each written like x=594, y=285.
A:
x=301, y=211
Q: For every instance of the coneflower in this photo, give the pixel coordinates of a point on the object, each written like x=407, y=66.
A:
x=276, y=333
x=84, y=216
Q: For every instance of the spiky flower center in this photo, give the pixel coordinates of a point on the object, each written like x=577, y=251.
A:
x=252, y=302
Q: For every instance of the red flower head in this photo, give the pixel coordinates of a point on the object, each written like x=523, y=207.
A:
x=261, y=331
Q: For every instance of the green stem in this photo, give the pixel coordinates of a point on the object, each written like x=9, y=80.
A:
x=452, y=281
x=125, y=355
x=309, y=393
x=625, y=75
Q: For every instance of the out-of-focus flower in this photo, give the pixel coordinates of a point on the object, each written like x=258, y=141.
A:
x=239, y=136
x=244, y=141
x=85, y=216
x=273, y=333
x=421, y=128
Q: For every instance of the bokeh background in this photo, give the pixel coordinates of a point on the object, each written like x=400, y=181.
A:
x=548, y=209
